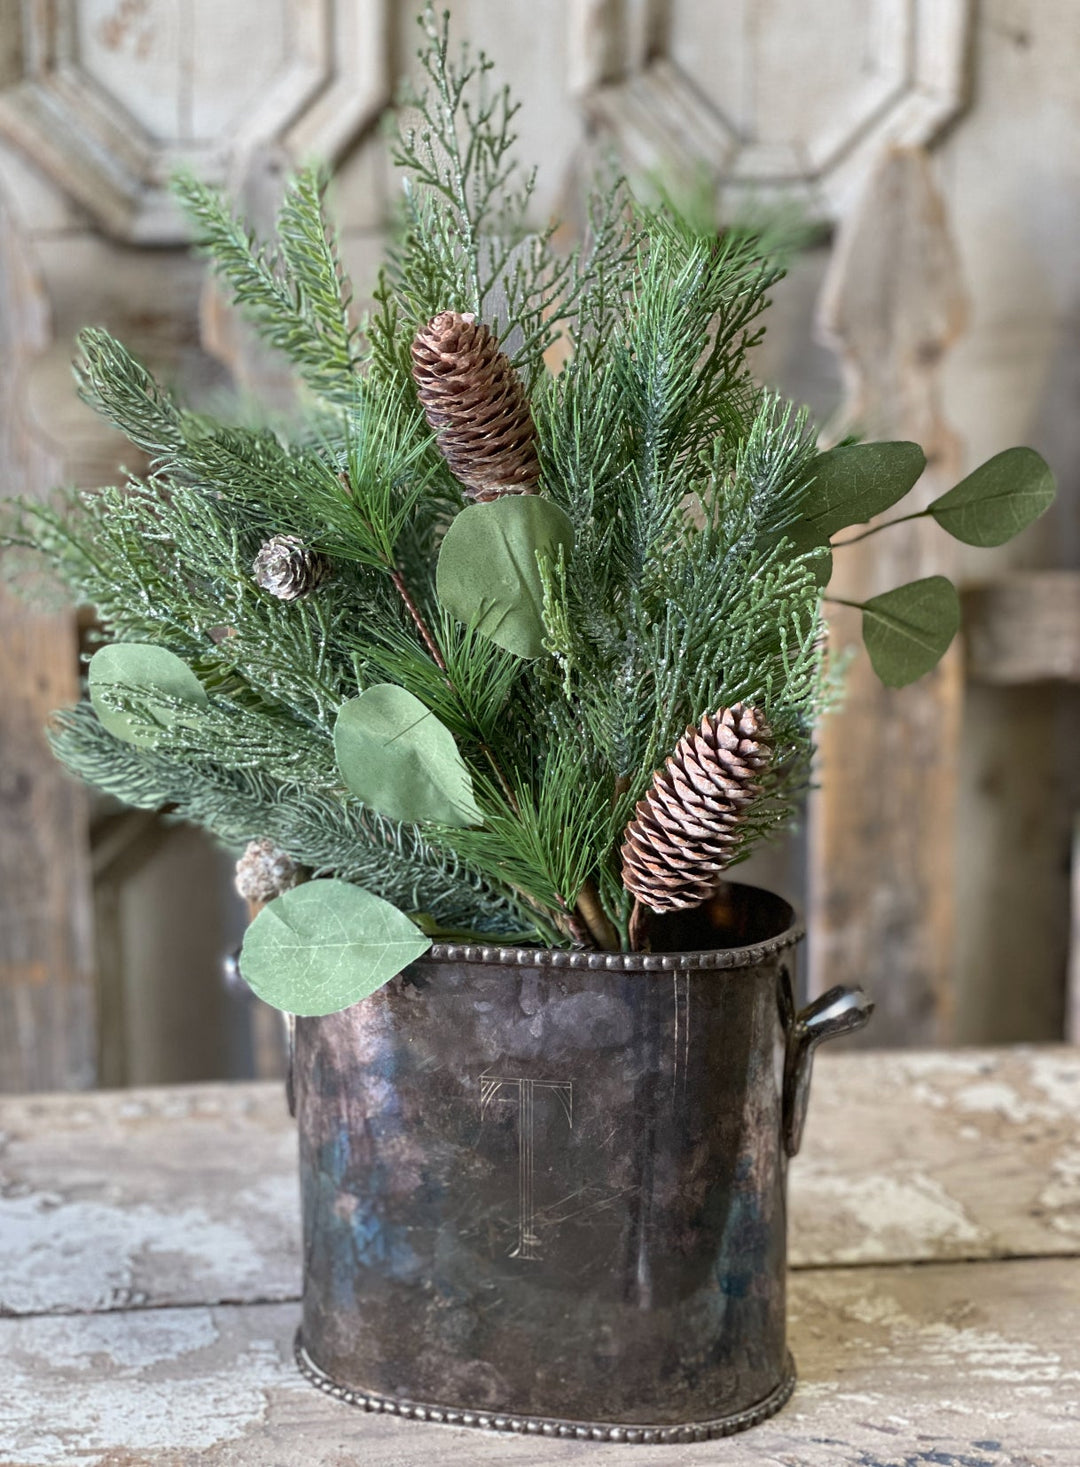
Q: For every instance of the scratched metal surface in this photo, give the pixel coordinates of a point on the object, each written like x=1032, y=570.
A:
x=593, y=1229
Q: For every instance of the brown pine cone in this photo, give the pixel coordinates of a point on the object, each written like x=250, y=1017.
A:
x=474, y=401
x=686, y=829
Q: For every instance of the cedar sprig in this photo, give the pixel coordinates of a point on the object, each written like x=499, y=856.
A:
x=296, y=293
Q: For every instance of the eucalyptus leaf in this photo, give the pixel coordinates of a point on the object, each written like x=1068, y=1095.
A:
x=998, y=500
x=854, y=483
x=396, y=756
x=488, y=573
x=325, y=945
x=141, y=669
x=907, y=631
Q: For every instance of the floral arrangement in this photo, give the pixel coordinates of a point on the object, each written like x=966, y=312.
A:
x=480, y=648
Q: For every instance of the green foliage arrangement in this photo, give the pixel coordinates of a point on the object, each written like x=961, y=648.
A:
x=448, y=713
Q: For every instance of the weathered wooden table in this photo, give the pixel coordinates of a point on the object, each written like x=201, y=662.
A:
x=149, y=1271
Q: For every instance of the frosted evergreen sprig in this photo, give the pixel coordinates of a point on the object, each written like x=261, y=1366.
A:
x=463, y=716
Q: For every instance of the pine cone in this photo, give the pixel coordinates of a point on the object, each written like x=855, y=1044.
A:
x=263, y=872
x=686, y=829
x=474, y=400
x=287, y=569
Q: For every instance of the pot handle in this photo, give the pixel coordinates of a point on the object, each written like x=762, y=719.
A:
x=840, y=1011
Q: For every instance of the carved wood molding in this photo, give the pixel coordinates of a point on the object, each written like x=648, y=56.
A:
x=768, y=97
x=883, y=831
x=47, y=1037
x=110, y=97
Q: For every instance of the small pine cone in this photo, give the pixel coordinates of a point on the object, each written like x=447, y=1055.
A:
x=686, y=829
x=287, y=569
x=264, y=871
x=474, y=401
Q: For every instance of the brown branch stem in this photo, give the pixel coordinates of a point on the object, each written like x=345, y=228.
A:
x=430, y=643
x=414, y=611
x=601, y=929
x=639, y=928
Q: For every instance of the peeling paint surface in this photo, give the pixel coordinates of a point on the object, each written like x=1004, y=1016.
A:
x=125, y=1219
x=895, y=1216
x=91, y=1256
x=82, y=1389
x=940, y=1154
x=147, y=1197
x=943, y=1365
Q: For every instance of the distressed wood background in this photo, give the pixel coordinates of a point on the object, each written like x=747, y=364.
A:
x=935, y=142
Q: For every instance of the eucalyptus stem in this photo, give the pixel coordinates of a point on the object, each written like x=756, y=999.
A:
x=901, y=519
x=432, y=646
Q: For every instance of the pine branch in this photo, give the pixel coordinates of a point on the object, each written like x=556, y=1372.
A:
x=329, y=836
x=295, y=296
x=686, y=589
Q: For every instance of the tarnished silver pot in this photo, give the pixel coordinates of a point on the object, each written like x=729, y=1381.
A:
x=544, y=1191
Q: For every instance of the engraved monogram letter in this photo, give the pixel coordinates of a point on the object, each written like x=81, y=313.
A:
x=519, y=1091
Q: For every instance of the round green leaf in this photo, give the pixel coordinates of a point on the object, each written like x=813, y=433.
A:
x=907, y=631
x=997, y=500
x=142, y=669
x=396, y=756
x=325, y=945
x=488, y=573
x=852, y=484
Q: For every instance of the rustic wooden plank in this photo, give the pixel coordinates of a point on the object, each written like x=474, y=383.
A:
x=168, y=1196
x=939, y=1155
x=970, y=1365
x=882, y=831
x=189, y=1195
x=1024, y=627
x=163, y=915
x=46, y=973
x=1016, y=819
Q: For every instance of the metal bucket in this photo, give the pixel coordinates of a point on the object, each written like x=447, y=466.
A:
x=544, y=1191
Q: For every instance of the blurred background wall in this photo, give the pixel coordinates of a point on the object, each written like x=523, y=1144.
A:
x=933, y=143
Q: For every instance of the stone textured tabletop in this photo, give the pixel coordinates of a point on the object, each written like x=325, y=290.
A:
x=149, y=1271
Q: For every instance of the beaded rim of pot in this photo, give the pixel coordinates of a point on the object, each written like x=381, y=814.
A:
x=519, y=1424
x=542, y=957
x=745, y=956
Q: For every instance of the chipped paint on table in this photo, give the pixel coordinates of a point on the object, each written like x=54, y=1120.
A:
x=940, y=1154
x=942, y=1365
x=188, y=1195
x=129, y=1221
x=181, y=1196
